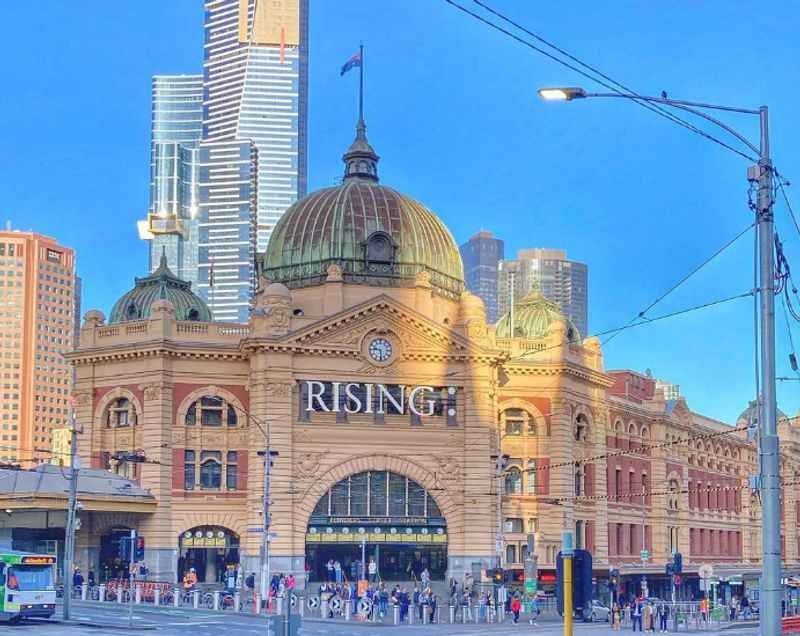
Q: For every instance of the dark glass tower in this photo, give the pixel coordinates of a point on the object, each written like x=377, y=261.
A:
x=480, y=255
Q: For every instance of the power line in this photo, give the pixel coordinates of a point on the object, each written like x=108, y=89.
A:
x=642, y=313
x=634, y=96
x=781, y=182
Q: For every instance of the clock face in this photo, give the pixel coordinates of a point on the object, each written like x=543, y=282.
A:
x=380, y=349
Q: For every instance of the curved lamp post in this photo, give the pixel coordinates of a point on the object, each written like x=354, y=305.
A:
x=769, y=478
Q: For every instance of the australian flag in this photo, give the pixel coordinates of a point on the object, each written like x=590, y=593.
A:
x=354, y=61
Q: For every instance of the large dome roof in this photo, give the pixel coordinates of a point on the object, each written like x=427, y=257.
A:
x=533, y=317
x=161, y=284
x=375, y=234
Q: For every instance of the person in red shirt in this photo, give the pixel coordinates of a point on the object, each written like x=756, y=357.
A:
x=516, y=606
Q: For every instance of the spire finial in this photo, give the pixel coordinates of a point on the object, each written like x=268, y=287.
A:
x=163, y=262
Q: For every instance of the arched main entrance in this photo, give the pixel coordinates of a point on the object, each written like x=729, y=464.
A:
x=210, y=550
x=392, y=519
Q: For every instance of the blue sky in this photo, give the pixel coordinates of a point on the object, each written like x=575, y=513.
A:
x=451, y=107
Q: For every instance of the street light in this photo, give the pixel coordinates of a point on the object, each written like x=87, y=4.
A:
x=769, y=478
x=561, y=94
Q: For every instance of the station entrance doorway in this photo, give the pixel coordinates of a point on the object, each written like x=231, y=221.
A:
x=389, y=518
x=210, y=550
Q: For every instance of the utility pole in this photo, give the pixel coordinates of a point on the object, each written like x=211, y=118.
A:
x=770, y=601
x=567, y=553
x=265, y=537
x=69, y=540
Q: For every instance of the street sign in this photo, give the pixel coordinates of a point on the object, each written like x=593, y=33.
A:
x=676, y=579
x=364, y=606
x=313, y=602
x=706, y=571
x=645, y=554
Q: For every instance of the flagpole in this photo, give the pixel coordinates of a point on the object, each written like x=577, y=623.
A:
x=361, y=83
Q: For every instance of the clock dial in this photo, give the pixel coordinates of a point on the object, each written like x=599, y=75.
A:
x=380, y=349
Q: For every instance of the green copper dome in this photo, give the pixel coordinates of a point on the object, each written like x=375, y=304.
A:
x=374, y=234
x=161, y=284
x=533, y=317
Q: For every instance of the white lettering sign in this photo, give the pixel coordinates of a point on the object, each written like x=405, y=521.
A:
x=356, y=397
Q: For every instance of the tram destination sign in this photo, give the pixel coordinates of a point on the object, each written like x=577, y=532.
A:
x=358, y=397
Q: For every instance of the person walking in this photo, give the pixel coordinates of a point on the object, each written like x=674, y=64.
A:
x=425, y=578
x=516, y=606
x=663, y=617
x=372, y=570
x=636, y=616
x=615, y=616
x=337, y=571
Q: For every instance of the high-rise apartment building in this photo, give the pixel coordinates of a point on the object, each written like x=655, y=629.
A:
x=255, y=83
x=251, y=104
x=480, y=256
x=172, y=220
x=562, y=281
x=228, y=180
x=37, y=325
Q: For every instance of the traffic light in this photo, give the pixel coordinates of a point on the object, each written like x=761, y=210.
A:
x=669, y=569
x=496, y=575
x=581, y=580
x=677, y=563
x=138, y=552
x=613, y=578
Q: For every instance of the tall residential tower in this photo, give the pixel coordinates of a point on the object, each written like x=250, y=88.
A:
x=171, y=226
x=562, y=281
x=37, y=326
x=480, y=255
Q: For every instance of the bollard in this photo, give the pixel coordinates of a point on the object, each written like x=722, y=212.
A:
x=176, y=598
x=237, y=601
x=302, y=608
x=279, y=607
x=119, y=593
x=348, y=609
x=396, y=614
x=323, y=610
x=452, y=614
x=102, y=596
x=137, y=595
x=411, y=611
x=195, y=599
x=425, y=617
x=256, y=602
x=216, y=600
x=477, y=613
x=501, y=613
x=157, y=596
x=84, y=591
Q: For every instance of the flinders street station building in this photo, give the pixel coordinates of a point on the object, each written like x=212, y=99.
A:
x=401, y=420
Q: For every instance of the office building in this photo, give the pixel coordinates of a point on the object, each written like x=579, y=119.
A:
x=37, y=326
x=670, y=390
x=480, y=255
x=562, y=281
x=171, y=227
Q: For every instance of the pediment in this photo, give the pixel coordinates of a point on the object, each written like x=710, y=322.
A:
x=347, y=331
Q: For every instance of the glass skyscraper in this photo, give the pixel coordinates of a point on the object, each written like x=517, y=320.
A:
x=171, y=226
x=480, y=255
x=249, y=106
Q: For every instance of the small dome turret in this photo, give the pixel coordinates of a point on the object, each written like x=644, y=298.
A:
x=534, y=317
x=162, y=284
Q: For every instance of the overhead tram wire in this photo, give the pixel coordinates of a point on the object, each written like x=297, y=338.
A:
x=633, y=96
x=637, y=97
x=781, y=180
x=641, y=314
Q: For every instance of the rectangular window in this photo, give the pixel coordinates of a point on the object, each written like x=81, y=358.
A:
x=513, y=525
x=188, y=470
x=531, y=476
x=232, y=471
x=580, y=527
x=211, y=469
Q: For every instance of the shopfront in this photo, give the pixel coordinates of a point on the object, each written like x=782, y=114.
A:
x=210, y=550
x=383, y=515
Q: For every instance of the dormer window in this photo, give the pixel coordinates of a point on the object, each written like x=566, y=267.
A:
x=379, y=248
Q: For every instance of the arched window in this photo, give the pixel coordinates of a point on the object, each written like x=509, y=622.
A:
x=581, y=428
x=211, y=411
x=211, y=469
x=511, y=554
x=513, y=481
x=645, y=432
x=532, y=476
x=121, y=413
x=631, y=429
x=517, y=422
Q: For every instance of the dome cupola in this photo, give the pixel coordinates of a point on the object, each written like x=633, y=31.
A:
x=162, y=284
x=373, y=233
x=534, y=316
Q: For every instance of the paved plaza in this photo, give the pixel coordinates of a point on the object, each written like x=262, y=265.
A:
x=97, y=620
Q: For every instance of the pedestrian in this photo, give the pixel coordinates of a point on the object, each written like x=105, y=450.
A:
x=77, y=579
x=663, y=616
x=189, y=580
x=732, y=609
x=372, y=570
x=516, y=606
x=745, y=605
x=466, y=612
x=636, y=616
x=230, y=580
x=404, y=601
x=337, y=570
x=647, y=617
x=616, y=618
x=329, y=571
x=91, y=580
x=425, y=578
